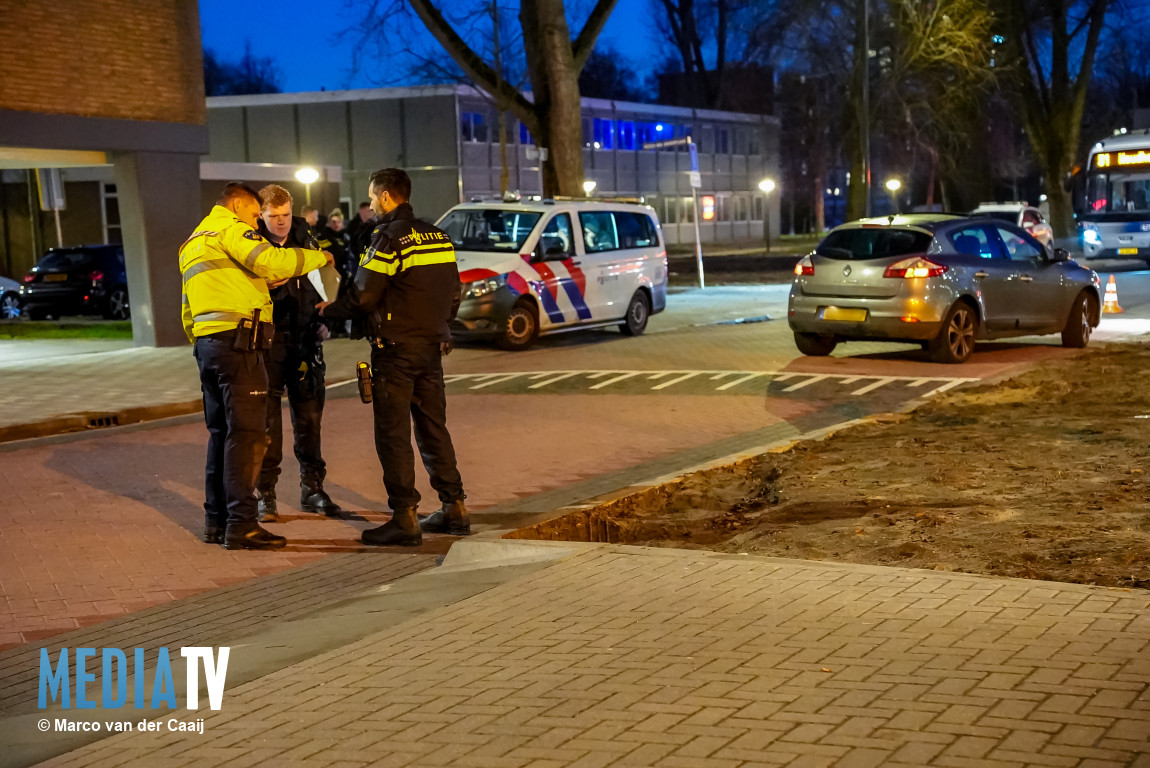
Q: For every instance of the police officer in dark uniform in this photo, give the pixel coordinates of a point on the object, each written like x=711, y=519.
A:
x=226, y=266
x=407, y=291
x=295, y=364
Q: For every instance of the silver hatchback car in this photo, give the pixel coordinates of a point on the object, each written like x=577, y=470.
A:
x=941, y=280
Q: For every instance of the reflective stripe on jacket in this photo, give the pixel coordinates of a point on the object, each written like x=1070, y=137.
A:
x=226, y=266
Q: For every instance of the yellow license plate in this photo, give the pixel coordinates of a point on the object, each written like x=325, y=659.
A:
x=55, y=278
x=844, y=315
x=1127, y=251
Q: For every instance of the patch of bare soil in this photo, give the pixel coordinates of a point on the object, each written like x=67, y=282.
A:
x=1040, y=477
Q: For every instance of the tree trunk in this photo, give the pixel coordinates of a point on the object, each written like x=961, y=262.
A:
x=818, y=204
x=858, y=109
x=555, y=86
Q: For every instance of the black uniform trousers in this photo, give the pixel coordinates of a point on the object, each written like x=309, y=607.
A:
x=407, y=387
x=306, y=413
x=235, y=388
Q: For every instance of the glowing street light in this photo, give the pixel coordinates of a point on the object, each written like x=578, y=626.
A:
x=767, y=186
x=307, y=176
x=589, y=187
x=893, y=186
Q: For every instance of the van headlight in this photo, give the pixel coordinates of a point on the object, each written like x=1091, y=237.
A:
x=481, y=288
x=1090, y=235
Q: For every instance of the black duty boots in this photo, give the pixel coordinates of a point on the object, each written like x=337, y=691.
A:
x=266, y=511
x=313, y=498
x=452, y=519
x=401, y=530
x=251, y=536
x=214, y=532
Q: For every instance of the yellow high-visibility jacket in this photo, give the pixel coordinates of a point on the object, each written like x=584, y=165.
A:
x=226, y=267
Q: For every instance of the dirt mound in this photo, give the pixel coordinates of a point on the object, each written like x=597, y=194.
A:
x=1038, y=477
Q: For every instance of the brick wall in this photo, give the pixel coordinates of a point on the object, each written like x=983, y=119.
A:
x=134, y=59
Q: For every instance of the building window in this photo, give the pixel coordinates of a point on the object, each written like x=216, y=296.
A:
x=722, y=142
x=687, y=210
x=626, y=134
x=707, y=141
x=111, y=214
x=587, y=132
x=473, y=127
x=670, y=210
x=604, y=134
x=525, y=136
x=753, y=143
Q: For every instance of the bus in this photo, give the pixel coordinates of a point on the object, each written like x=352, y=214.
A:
x=1114, y=221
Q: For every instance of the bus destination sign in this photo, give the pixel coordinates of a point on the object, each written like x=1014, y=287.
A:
x=1138, y=158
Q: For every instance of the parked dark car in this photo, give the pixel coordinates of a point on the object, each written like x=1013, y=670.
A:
x=84, y=280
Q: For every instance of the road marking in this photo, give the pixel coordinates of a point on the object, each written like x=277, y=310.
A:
x=949, y=385
x=618, y=378
x=726, y=380
x=801, y=384
x=554, y=379
x=873, y=386
x=737, y=382
x=675, y=381
x=497, y=380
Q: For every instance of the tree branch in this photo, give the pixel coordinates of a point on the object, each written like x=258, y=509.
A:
x=585, y=42
x=471, y=63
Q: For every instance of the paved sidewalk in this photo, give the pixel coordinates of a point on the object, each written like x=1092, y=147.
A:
x=630, y=657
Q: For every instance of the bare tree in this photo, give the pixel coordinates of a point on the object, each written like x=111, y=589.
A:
x=1052, y=45
x=553, y=61
x=251, y=74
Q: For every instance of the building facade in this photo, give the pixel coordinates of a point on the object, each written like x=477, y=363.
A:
x=448, y=139
x=115, y=83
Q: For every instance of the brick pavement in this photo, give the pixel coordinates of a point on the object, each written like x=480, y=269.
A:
x=624, y=656
x=98, y=526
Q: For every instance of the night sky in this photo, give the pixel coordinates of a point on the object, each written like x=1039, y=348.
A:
x=309, y=58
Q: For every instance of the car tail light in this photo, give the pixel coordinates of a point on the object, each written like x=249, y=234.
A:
x=915, y=266
x=804, y=267
x=96, y=275
x=29, y=278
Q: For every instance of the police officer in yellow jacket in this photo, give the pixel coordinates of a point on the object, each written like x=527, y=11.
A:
x=227, y=313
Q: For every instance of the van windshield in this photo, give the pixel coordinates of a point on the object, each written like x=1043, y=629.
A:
x=489, y=229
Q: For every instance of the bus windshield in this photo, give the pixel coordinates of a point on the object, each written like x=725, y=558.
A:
x=1121, y=193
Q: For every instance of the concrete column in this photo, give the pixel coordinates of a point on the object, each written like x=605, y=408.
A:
x=159, y=195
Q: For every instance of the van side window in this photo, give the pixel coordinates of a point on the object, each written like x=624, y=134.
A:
x=599, y=233
x=556, y=242
x=635, y=230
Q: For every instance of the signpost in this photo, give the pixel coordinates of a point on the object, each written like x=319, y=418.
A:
x=696, y=182
x=540, y=154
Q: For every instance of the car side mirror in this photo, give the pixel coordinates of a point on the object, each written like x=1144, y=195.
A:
x=1059, y=255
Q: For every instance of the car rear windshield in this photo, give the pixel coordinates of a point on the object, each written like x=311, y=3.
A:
x=873, y=243
x=489, y=229
x=67, y=261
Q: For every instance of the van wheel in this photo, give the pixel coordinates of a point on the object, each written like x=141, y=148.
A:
x=1076, y=334
x=520, y=329
x=815, y=344
x=638, y=312
x=955, y=341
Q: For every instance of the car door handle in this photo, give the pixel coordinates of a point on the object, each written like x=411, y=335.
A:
x=574, y=262
x=980, y=274
x=1026, y=279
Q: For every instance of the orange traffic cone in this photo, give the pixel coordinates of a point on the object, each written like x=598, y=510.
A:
x=1110, y=304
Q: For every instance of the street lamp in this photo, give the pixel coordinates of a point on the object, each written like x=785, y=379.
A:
x=307, y=176
x=893, y=186
x=767, y=186
x=589, y=187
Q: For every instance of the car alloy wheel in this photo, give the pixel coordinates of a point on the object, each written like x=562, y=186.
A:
x=960, y=333
x=118, y=308
x=9, y=306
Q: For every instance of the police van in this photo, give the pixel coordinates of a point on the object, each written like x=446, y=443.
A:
x=534, y=268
